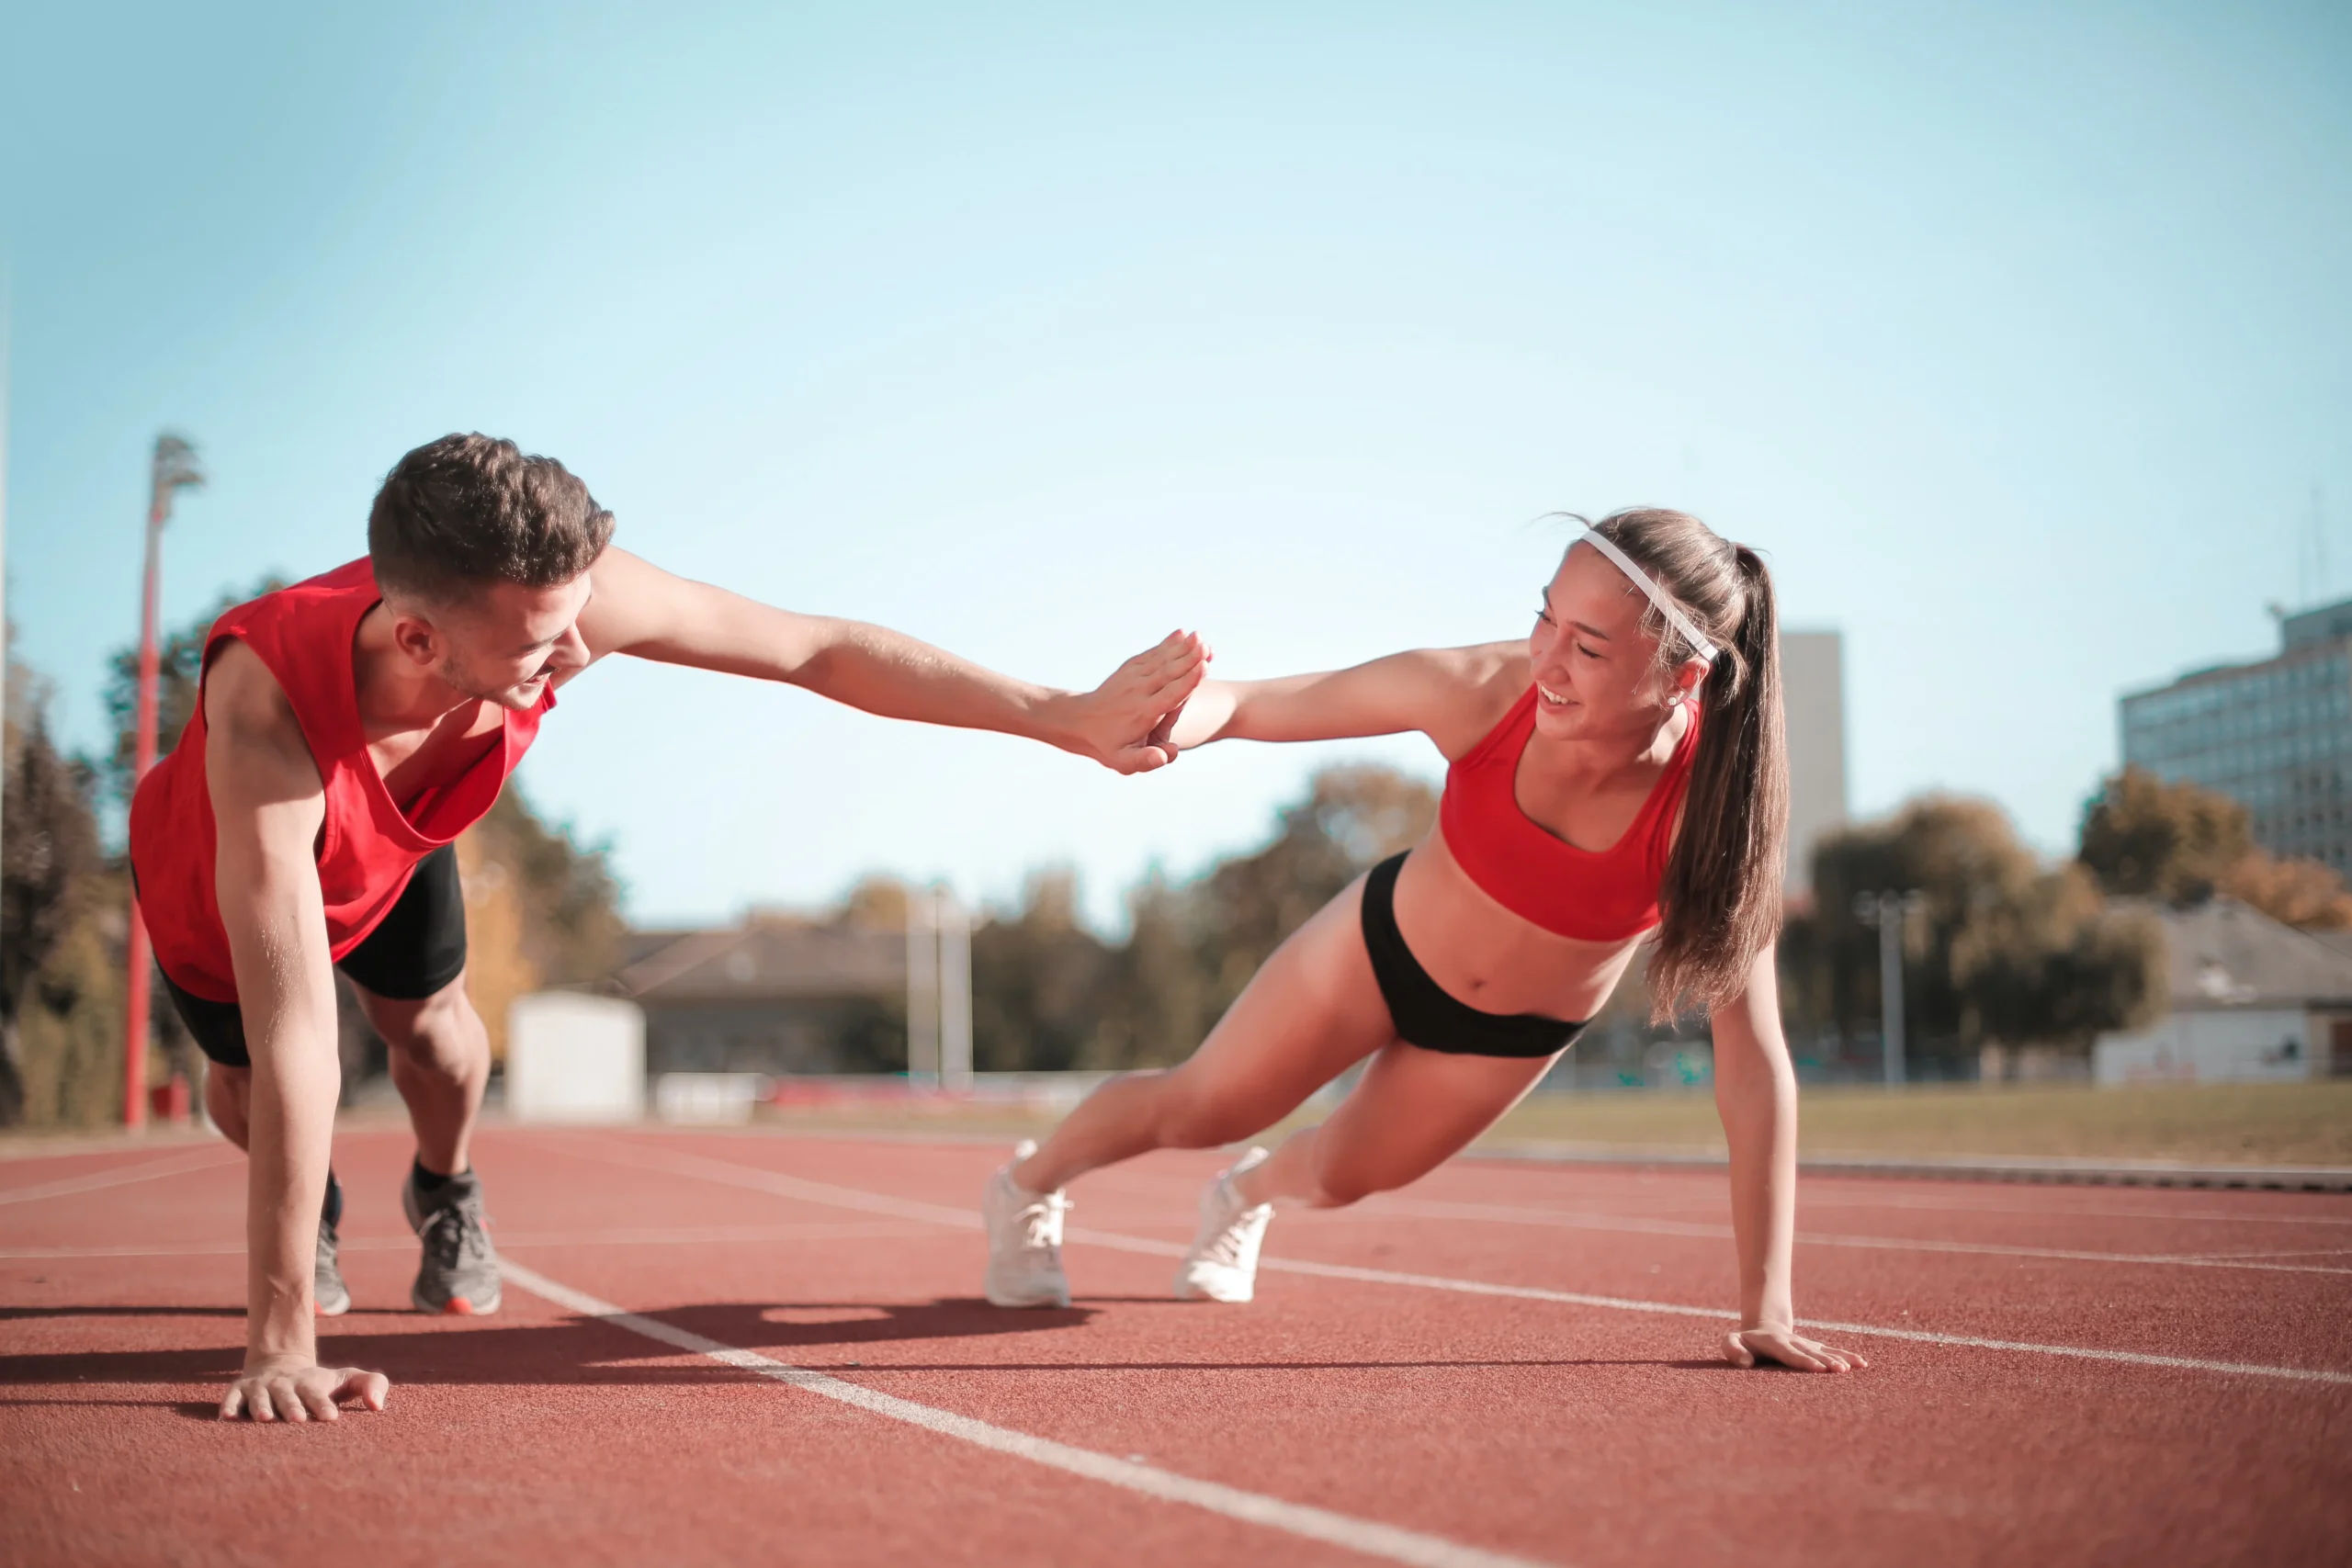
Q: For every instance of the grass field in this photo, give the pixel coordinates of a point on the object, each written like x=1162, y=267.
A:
x=2225, y=1123
x=2220, y=1123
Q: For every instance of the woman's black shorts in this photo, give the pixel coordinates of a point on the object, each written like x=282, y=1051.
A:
x=418, y=949
x=1425, y=1013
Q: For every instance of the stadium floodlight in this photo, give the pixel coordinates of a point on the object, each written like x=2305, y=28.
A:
x=174, y=469
x=1889, y=911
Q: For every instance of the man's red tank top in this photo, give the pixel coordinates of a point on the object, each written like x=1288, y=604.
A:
x=1591, y=894
x=367, y=845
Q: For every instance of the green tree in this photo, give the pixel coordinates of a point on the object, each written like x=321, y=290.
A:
x=1156, y=1006
x=61, y=930
x=1039, y=980
x=2005, y=952
x=2183, y=843
x=2145, y=839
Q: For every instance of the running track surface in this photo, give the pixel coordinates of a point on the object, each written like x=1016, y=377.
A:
x=737, y=1347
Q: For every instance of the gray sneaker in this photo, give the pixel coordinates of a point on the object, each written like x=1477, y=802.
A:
x=328, y=1296
x=458, y=1273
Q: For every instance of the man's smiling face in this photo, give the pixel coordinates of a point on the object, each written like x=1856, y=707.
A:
x=503, y=642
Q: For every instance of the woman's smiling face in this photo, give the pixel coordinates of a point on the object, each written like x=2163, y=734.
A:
x=1596, y=669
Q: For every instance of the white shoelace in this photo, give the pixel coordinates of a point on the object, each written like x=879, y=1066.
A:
x=1225, y=1248
x=1041, y=1221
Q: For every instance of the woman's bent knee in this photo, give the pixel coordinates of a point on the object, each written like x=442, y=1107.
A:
x=1341, y=1181
x=1339, y=1194
x=1187, y=1119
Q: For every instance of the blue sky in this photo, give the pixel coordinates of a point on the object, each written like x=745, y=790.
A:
x=2019, y=340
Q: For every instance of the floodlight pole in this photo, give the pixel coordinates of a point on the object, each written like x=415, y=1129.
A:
x=1889, y=911
x=922, y=987
x=174, y=469
x=955, y=990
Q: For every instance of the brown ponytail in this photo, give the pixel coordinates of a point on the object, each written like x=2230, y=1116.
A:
x=1720, y=898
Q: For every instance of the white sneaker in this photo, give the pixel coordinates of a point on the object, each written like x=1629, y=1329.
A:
x=1223, y=1264
x=1025, y=1240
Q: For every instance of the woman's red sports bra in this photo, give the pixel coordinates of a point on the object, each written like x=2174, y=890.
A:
x=1590, y=894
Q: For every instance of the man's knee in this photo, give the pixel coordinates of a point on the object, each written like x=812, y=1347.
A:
x=441, y=1031
x=227, y=1092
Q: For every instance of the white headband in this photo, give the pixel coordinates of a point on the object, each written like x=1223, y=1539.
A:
x=1674, y=613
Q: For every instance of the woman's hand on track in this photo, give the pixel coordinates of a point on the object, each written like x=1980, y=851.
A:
x=300, y=1390
x=1748, y=1347
x=1123, y=724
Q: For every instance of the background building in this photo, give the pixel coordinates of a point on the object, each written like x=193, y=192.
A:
x=2275, y=736
x=2250, y=1000
x=1812, y=672
x=776, y=993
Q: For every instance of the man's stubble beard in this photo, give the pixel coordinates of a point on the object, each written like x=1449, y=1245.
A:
x=508, y=697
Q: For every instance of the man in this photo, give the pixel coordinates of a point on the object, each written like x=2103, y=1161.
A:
x=348, y=729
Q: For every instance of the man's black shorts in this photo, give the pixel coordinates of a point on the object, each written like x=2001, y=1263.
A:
x=420, y=947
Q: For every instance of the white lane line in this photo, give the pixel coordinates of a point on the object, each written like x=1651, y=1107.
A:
x=1420, y=1208
x=2296, y=1252
x=707, y=1237
x=1627, y=1303
x=727, y=1173
x=2167, y=1215
x=1621, y=1304
x=1365, y=1536
x=760, y=1180
x=97, y=1181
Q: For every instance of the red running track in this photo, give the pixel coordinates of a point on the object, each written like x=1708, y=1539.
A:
x=723, y=1347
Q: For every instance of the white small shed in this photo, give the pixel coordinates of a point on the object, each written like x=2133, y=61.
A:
x=2252, y=1000
x=574, y=1058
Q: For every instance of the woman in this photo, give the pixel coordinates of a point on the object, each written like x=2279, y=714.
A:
x=1618, y=776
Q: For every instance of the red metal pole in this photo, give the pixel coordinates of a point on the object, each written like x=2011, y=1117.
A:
x=135, y=1020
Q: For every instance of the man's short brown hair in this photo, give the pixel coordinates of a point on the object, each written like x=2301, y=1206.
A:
x=464, y=511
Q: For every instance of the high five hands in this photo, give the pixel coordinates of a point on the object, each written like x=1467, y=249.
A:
x=1124, y=723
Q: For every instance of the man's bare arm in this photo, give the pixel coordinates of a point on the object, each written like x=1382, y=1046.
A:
x=267, y=804
x=641, y=610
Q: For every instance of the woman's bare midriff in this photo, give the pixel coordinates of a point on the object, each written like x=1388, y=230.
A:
x=1490, y=959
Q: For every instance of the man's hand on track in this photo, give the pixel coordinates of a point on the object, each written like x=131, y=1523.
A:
x=294, y=1390
x=1123, y=724
x=1748, y=1347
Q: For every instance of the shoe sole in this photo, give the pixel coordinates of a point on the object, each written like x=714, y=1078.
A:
x=456, y=1306
x=1187, y=1292
x=1016, y=1304
x=320, y=1309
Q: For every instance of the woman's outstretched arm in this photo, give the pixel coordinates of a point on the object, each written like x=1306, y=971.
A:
x=1451, y=695
x=1756, y=1094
